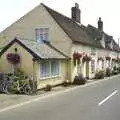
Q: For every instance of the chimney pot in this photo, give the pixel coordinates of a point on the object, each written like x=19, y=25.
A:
x=76, y=13
x=100, y=25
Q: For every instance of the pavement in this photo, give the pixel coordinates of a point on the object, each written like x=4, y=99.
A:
x=97, y=100
x=7, y=100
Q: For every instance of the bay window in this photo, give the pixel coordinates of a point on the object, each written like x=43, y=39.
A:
x=49, y=69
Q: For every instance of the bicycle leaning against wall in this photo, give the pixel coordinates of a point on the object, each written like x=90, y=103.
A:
x=10, y=84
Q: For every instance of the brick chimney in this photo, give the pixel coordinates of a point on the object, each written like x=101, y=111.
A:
x=100, y=25
x=76, y=13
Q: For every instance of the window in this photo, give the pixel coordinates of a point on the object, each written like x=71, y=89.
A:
x=41, y=34
x=49, y=69
x=54, y=68
x=45, y=69
x=93, y=51
x=92, y=66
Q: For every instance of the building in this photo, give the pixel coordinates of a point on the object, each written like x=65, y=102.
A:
x=53, y=47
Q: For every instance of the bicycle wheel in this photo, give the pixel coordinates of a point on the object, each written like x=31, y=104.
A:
x=27, y=90
x=8, y=89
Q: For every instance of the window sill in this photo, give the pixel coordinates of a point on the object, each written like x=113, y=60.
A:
x=44, y=78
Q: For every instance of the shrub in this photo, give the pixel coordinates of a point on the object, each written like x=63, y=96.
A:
x=115, y=71
x=118, y=69
x=99, y=75
x=108, y=72
x=79, y=80
x=48, y=87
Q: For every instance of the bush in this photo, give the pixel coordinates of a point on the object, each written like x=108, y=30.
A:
x=99, y=75
x=114, y=72
x=108, y=72
x=48, y=87
x=114, y=68
x=118, y=69
x=79, y=80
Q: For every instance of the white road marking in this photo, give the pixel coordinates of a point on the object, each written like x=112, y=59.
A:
x=107, y=98
x=51, y=94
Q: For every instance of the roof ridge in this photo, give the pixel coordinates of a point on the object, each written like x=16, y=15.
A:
x=56, y=11
x=69, y=26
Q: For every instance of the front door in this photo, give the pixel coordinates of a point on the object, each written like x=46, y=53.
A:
x=87, y=70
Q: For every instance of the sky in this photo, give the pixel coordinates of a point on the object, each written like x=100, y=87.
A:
x=91, y=10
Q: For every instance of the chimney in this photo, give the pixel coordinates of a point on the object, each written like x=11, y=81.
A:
x=76, y=13
x=100, y=25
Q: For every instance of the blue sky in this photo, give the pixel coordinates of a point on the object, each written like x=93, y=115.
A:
x=11, y=10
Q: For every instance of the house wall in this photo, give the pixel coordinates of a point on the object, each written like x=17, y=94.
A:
x=26, y=63
x=84, y=49
x=31, y=67
x=25, y=28
x=41, y=83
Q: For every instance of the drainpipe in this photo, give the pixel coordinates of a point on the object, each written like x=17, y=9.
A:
x=34, y=75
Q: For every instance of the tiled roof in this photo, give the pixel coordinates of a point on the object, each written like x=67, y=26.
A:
x=95, y=34
x=38, y=50
x=79, y=33
x=75, y=31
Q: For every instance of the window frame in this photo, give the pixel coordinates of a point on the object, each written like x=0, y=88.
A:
x=51, y=76
x=39, y=41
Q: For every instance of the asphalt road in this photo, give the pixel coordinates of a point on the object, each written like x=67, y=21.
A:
x=99, y=101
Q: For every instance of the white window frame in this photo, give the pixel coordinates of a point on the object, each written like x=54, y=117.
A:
x=51, y=76
x=39, y=41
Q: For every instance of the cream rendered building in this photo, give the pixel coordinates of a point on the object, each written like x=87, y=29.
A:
x=62, y=35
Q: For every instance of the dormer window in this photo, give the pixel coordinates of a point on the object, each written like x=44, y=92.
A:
x=42, y=34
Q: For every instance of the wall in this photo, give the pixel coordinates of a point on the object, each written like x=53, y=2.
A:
x=25, y=28
x=54, y=80
x=83, y=49
x=31, y=67
x=26, y=63
x=98, y=64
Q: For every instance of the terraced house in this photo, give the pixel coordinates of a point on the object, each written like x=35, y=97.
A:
x=54, y=48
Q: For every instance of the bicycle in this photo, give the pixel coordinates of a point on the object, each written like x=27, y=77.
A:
x=22, y=86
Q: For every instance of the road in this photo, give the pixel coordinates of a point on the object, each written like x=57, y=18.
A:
x=99, y=101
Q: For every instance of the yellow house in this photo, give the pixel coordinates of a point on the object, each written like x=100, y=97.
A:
x=49, y=41
x=45, y=63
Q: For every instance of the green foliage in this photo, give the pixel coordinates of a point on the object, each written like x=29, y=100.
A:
x=79, y=80
x=108, y=72
x=99, y=75
x=118, y=69
x=48, y=88
x=115, y=71
x=21, y=82
x=20, y=75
